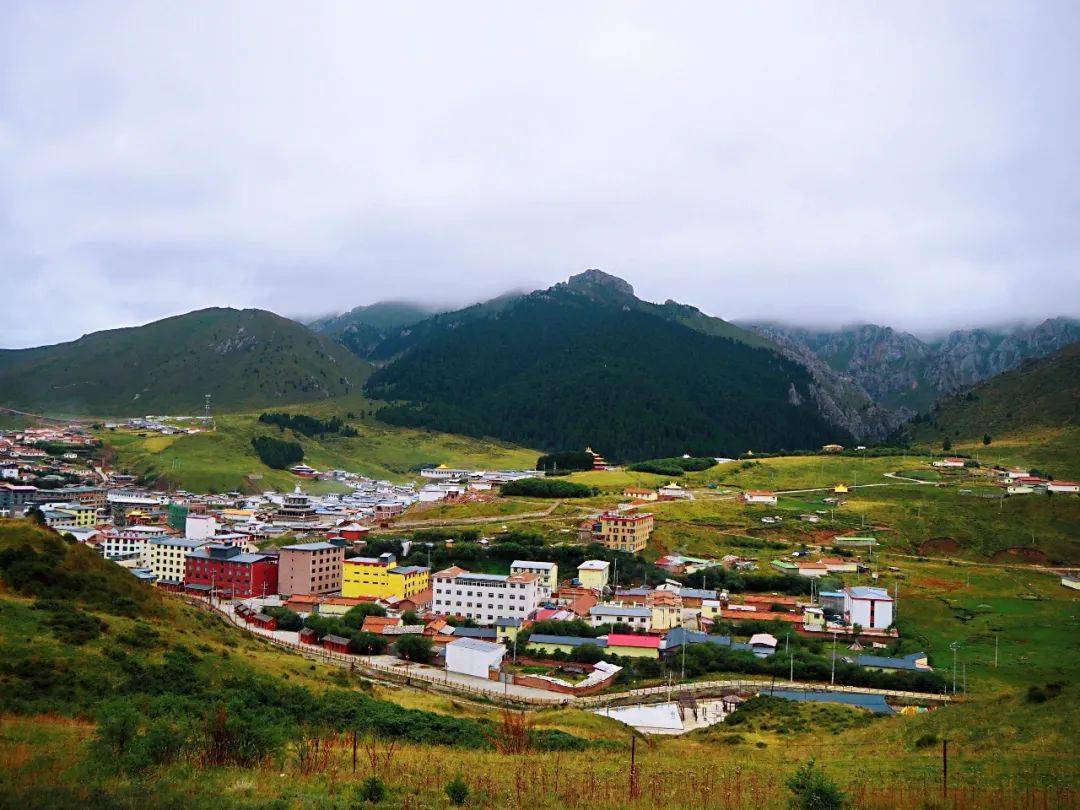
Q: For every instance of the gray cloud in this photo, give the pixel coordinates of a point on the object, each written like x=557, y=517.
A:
x=913, y=164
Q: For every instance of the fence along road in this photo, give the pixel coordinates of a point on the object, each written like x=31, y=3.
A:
x=409, y=675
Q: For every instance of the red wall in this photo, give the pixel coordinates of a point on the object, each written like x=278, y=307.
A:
x=241, y=579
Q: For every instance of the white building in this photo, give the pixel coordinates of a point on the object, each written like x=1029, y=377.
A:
x=868, y=607
x=471, y=656
x=165, y=557
x=756, y=496
x=948, y=462
x=130, y=541
x=547, y=575
x=484, y=597
x=636, y=617
x=443, y=473
x=1063, y=486
x=673, y=490
x=200, y=527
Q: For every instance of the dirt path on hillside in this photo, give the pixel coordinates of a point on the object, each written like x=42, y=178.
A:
x=437, y=522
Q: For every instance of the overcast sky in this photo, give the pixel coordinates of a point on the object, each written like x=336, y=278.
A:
x=910, y=164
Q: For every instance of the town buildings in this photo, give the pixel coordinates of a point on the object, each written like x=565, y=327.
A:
x=628, y=533
x=484, y=598
x=381, y=577
x=310, y=568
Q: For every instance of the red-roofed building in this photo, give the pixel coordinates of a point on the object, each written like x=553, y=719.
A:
x=633, y=646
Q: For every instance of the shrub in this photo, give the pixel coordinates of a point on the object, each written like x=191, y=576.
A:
x=371, y=790
x=812, y=790
x=457, y=791
x=546, y=488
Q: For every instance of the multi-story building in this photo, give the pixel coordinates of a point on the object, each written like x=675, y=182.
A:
x=594, y=574
x=629, y=532
x=130, y=541
x=296, y=506
x=90, y=496
x=230, y=573
x=310, y=568
x=166, y=557
x=547, y=575
x=868, y=607
x=484, y=598
x=381, y=577
x=14, y=498
x=69, y=514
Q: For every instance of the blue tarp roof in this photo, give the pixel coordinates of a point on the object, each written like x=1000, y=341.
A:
x=875, y=703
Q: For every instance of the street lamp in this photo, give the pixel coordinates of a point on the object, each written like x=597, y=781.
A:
x=954, y=646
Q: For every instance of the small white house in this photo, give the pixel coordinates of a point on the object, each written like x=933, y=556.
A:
x=1063, y=486
x=471, y=656
x=758, y=496
x=636, y=617
x=868, y=607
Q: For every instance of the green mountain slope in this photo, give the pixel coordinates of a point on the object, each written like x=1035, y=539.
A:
x=363, y=328
x=586, y=363
x=1040, y=393
x=242, y=358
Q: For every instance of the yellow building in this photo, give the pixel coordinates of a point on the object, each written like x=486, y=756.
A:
x=381, y=577
x=594, y=574
x=629, y=532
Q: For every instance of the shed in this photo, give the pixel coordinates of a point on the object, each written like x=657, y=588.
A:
x=338, y=644
x=471, y=656
x=308, y=636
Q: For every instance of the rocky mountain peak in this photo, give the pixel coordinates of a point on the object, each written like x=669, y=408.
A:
x=598, y=284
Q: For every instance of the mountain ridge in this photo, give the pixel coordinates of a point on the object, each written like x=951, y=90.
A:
x=242, y=358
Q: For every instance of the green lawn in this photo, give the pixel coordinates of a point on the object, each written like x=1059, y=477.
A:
x=224, y=459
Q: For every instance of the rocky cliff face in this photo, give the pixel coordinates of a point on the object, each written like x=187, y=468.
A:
x=902, y=374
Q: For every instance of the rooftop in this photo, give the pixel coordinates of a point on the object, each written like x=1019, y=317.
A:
x=631, y=640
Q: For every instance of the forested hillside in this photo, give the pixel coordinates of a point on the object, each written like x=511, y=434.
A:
x=565, y=368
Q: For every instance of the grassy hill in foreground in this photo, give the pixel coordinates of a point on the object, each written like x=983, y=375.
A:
x=1039, y=394
x=167, y=679
x=242, y=358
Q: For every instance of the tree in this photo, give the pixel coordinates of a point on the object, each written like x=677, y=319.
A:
x=986, y=438
x=812, y=790
x=586, y=653
x=354, y=617
x=417, y=649
x=946, y=445
x=367, y=644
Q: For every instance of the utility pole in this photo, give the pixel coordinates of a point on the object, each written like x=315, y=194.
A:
x=684, y=644
x=633, y=765
x=944, y=769
x=997, y=636
x=791, y=676
x=832, y=678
